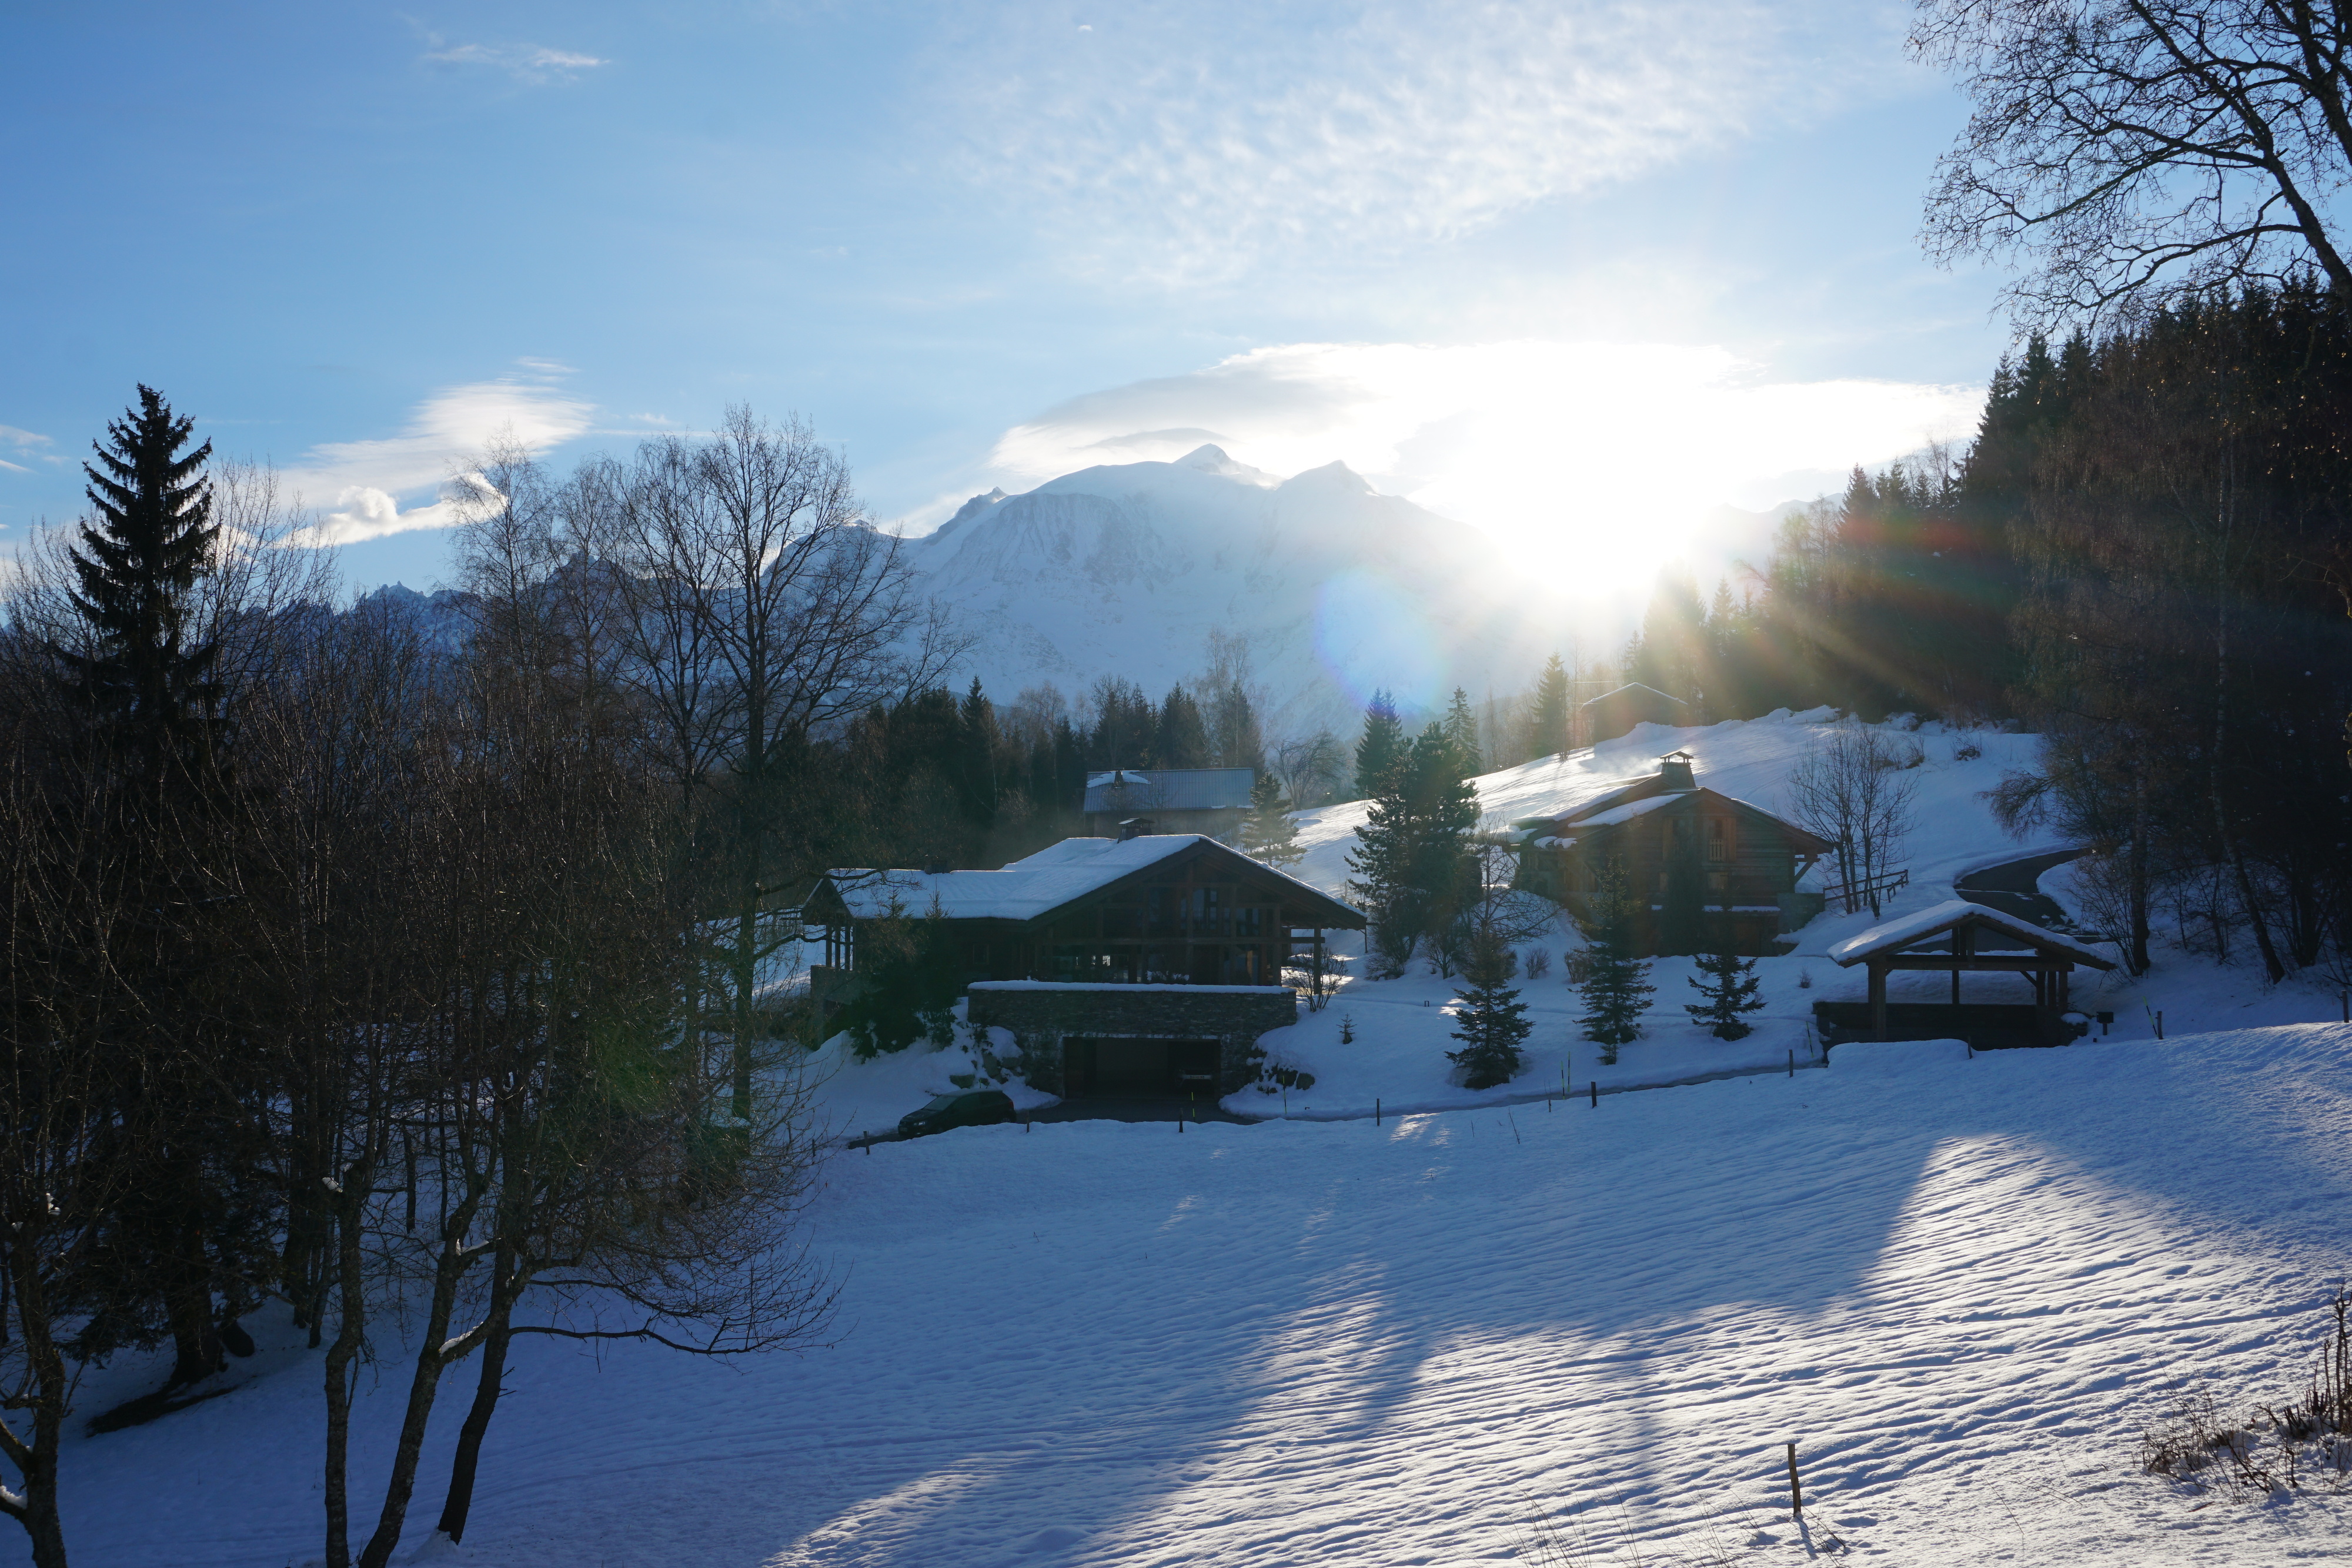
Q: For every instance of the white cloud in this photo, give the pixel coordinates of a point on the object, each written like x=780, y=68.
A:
x=365, y=478
x=25, y=444
x=524, y=62
x=1609, y=455
x=1186, y=142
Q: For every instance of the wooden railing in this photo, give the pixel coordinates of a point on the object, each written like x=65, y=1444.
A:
x=1869, y=890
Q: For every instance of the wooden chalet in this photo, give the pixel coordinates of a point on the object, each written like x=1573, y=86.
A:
x=1152, y=909
x=1127, y=802
x=1615, y=713
x=1749, y=860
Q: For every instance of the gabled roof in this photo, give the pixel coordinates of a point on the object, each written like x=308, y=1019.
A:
x=1633, y=687
x=1912, y=929
x=1037, y=886
x=1169, y=789
x=1638, y=798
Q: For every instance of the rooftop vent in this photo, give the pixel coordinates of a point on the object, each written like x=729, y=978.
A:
x=1134, y=827
x=1674, y=771
x=937, y=868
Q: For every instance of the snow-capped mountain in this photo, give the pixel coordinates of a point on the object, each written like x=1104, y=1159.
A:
x=1125, y=569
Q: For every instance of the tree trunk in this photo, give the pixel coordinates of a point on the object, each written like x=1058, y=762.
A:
x=35, y=1506
x=351, y=1333
x=432, y=1357
x=188, y=1307
x=2136, y=877
x=497, y=1334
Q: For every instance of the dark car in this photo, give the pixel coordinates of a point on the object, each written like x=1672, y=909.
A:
x=965, y=1108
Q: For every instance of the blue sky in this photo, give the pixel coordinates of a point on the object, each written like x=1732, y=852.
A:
x=1553, y=269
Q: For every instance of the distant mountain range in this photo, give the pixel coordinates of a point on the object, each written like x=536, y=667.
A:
x=1125, y=569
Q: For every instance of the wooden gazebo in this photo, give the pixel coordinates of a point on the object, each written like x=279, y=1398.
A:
x=1958, y=936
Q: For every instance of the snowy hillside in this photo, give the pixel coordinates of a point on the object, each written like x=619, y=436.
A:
x=1124, y=569
x=1751, y=759
x=1961, y=1287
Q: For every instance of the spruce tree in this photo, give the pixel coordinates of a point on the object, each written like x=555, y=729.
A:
x=1616, y=985
x=1379, y=748
x=1462, y=732
x=1547, y=727
x=1491, y=1022
x=151, y=540
x=1267, y=833
x=1181, y=740
x=1728, y=984
x=1412, y=861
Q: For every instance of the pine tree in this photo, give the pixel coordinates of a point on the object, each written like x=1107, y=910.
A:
x=1730, y=985
x=1616, y=985
x=1181, y=740
x=1412, y=861
x=1547, y=727
x=1462, y=731
x=151, y=539
x=1381, y=747
x=1491, y=1022
x=1267, y=833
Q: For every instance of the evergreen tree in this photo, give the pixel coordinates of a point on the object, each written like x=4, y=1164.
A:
x=1673, y=632
x=976, y=762
x=1616, y=985
x=1379, y=748
x=1728, y=984
x=1411, y=863
x=1267, y=833
x=1461, y=733
x=1491, y=1022
x=152, y=537
x=1069, y=767
x=1181, y=740
x=1235, y=740
x=1547, y=727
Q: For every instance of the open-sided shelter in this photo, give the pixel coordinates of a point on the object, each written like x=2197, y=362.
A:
x=1961, y=937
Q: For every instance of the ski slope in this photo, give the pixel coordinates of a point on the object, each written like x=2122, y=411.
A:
x=1960, y=1285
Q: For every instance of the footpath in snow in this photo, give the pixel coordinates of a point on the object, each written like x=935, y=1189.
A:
x=1960, y=1286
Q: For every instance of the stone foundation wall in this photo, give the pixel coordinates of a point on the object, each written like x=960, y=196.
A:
x=1041, y=1016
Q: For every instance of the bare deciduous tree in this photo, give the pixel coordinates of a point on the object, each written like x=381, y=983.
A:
x=1854, y=791
x=2133, y=149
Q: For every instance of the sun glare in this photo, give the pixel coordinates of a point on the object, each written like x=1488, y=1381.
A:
x=1606, y=456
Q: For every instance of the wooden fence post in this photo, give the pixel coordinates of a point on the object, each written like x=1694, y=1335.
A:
x=1796, y=1497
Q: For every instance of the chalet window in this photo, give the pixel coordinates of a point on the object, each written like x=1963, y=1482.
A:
x=1719, y=839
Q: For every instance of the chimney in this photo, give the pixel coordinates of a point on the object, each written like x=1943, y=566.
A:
x=937, y=868
x=1134, y=827
x=1674, y=772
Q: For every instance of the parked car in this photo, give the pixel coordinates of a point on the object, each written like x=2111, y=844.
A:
x=965, y=1108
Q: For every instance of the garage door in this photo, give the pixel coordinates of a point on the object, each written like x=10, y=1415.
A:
x=1139, y=1067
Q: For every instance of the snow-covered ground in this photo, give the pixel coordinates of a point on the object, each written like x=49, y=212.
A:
x=1959, y=1286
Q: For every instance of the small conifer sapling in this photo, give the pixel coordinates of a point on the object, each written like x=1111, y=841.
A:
x=1727, y=984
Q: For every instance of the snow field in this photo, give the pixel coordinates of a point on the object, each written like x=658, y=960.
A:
x=1960, y=1285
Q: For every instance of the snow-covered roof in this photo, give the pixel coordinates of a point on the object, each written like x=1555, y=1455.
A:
x=1634, y=686
x=1026, y=888
x=1169, y=789
x=1896, y=935
x=1627, y=812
